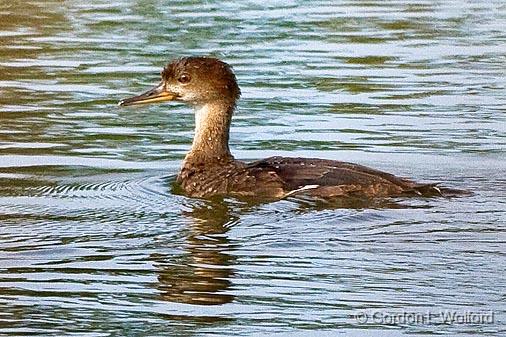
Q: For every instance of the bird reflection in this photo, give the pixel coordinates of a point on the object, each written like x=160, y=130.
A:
x=202, y=274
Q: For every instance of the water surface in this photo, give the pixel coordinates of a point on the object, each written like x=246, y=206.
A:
x=94, y=243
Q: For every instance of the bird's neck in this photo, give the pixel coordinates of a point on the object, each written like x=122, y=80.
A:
x=212, y=126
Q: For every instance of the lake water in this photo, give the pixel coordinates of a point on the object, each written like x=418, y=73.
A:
x=94, y=243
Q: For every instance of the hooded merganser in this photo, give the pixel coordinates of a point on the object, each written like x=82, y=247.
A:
x=209, y=169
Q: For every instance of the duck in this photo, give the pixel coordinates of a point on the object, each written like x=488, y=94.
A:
x=209, y=169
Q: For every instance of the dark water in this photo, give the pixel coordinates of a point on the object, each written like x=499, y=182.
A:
x=93, y=242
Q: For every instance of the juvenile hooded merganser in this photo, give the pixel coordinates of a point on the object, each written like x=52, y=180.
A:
x=209, y=169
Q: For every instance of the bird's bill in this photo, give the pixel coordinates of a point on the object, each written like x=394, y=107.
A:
x=154, y=95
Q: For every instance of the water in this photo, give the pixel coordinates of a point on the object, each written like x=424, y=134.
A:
x=93, y=242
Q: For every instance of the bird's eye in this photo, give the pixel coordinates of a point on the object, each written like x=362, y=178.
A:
x=185, y=78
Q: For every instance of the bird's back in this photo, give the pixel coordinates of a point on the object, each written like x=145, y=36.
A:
x=330, y=178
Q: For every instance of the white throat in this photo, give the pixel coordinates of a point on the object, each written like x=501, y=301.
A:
x=202, y=114
x=212, y=123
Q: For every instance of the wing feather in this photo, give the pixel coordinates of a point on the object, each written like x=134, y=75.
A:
x=337, y=178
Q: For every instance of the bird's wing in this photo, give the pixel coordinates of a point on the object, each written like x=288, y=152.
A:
x=335, y=178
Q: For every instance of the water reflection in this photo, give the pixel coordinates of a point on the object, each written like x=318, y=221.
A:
x=201, y=275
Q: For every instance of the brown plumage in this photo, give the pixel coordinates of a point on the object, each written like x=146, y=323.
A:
x=209, y=169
